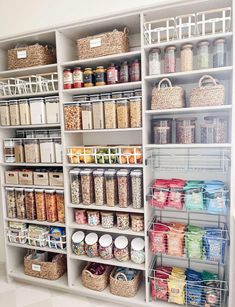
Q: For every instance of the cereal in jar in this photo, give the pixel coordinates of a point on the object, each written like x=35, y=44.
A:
x=87, y=187
x=111, y=187
x=107, y=219
x=78, y=243
x=60, y=206
x=137, y=222
x=20, y=203
x=80, y=216
x=137, y=251
x=123, y=113
x=51, y=206
x=30, y=204
x=123, y=220
x=93, y=218
x=121, y=249
x=91, y=245
x=11, y=202
x=99, y=184
x=75, y=186
x=40, y=204
x=123, y=176
x=110, y=116
x=137, y=188
x=106, y=247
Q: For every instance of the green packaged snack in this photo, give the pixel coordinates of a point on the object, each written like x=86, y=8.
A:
x=194, y=242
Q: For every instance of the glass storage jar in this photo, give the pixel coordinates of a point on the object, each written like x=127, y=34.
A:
x=93, y=218
x=4, y=113
x=37, y=111
x=98, y=114
x=75, y=186
x=24, y=112
x=219, y=57
x=30, y=205
x=60, y=206
x=112, y=74
x=110, y=114
x=47, y=151
x=78, y=77
x=20, y=203
x=14, y=112
x=123, y=176
x=86, y=115
x=203, y=55
x=11, y=202
x=40, y=205
x=58, y=151
x=214, y=130
x=170, y=60
x=135, y=111
x=87, y=187
x=137, y=251
x=111, y=187
x=88, y=77
x=185, y=130
x=137, y=222
x=52, y=110
x=78, y=243
x=106, y=247
x=124, y=72
x=154, y=62
x=91, y=245
x=72, y=116
x=31, y=151
x=123, y=113
x=123, y=220
x=107, y=219
x=9, y=151
x=186, y=57
x=137, y=188
x=19, y=151
x=99, y=185
x=51, y=206
x=162, y=129
x=135, y=74
x=67, y=78
x=80, y=216
x=121, y=250
x=100, y=76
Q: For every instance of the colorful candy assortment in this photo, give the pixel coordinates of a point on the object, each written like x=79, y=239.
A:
x=210, y=196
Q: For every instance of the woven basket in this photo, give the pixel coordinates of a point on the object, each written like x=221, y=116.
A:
x=124, y=288
x=31, y=56
x=95, y=282
x=167, y=97
x=207, y=95
x=52, y=270
x=103, y=44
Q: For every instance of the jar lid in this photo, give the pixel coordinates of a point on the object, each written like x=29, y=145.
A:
x=136, y=173
x=100, y=67
x=13, y=101
x=75, y=103
x=171, y=47
x=110, y=172
x=135, y=98
x=158, y=50
x=122, y=214
x=67, y=69
x=35, y=99
x=186, y=46
x=204, y=43
x=98, y=172
x=110, y=100
x=97, y=101
x=122, y=100
x=137, y=216
x=75, y=171
x=23, y=100
x=123, y=172
x=10, y=189
x=85, y=103
x=220, y=40
x=86, y=171
x=29, y=190
x=3, y=101
x=77, y=67
x=105, y=240
x=95, y=95
x=78, y=236
x=59, y=191
x=106, y=213
x=104, y=94
x=137, y=244
x=39, y=190
x=88, y=68
x=50, y=191
x=121, y=242
x=91, y=238
x=21, y=189
x=116, y=93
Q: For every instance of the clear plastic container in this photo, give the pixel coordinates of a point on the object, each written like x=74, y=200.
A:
x=51, y=206
x=185, y=130
x=123, y=220
x=91, y=245
x=162, y=129
x=123, y=176
x=137, y=222
x=137, y=250
x=60, y=206
x=40, y=205
x=111, y=187
x=86, y=116
x=135, y=111
x=47, y=150
x=203, y=55
x=99, y=185
x=81, y=98
x=219, y=57
x=24, y=112
x=78, y=243
x=4, y=113
x=106, y=247
x=170, y=59
x=80, y=216
x=14, y=112
x=110, y=114
x=137, y=188
x=93, y=218
x=75, y=186
x=121, y=250
x=52, y=110
x=214, y=130
x=117, y=95
x=30, y=204
x=87, y=187
x=9, y=150
x=107, y=219
x=98, y=114
x=32, y=151
x=58, y=151
x=20, y=203
x=19, y=151
x=186, y=59
x=72, y=116
x=11, y=202
x=123, y=113
x=37, y=111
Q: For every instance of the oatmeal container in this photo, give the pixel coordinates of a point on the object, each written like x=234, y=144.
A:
x=135, y=111
x=4, y=113
x=123, y=113
x=24, y=112
x=99, y=184
x=98, y=114
x=14, y=112
x=123, y=176
x=87, y=186
x=111, y=187
x=106, y=247
x=110, y=116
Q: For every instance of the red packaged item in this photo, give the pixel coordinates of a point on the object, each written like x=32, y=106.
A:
x=175, y=240
x=158, y=238
x=176, y=195
x=159, y=284
x=159, y=193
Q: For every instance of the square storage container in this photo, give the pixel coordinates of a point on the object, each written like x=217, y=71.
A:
x=4, y=113
x=26, y=177
x=56, y=179
x=41, y=178
x=30, y=204
x=58, y=151
x=24, y=112
x=51, y=206
x=98, y=114
x=72, y=116
x=37, y=111
x=47, y=151
x=52, y=109
x=75, y=186
x=14, y=112
x=11, y=202
x=20, y=203
x=32, y=151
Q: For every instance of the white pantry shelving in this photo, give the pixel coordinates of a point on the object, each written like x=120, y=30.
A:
x=222, y=155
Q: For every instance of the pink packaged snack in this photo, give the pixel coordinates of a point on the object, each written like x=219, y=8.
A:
x=176, y=195
x=160, y=191
x=158, y=238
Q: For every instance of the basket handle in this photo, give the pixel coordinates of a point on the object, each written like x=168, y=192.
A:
x=121, y=274
x=125, y=31
x=203, y=78
x=165, y=80
x=89, y=273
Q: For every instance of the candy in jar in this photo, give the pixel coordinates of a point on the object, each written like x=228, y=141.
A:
x=137, y=250
x=93, y=218
x=80, y=216
x=107, y=219
x=106, y=247
x=121, y=250
x=91, y=245
x=137, y=222
x=78, y=244
x=122, y=220
x=123, y=176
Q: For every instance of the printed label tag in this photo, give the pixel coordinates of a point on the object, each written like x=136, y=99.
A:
x=36, y=267
x=21, y=54
x=95, y=42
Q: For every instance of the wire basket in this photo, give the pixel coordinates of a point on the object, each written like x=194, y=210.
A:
x=17, y=236
x=186, y=26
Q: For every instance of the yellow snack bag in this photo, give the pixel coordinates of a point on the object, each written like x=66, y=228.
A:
x=176, y=291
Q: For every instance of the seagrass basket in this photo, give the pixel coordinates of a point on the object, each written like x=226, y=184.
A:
x=95, y=282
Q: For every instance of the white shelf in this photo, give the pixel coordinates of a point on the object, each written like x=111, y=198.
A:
x=225, y=145
x=106, y=208
x=99, y=228
x=105, y=165
x=114, y=262
x=104, y=130
x=104, y=89
x=41, y=94
x=36, y=222
x=30, y=126
x=32, y=164
x=28, y=71
x=44, y=187
x=45, y=249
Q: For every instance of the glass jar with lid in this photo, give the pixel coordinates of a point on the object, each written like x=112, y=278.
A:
x=40, y=205
x=88, y=77
x=93, y=218
x=203, y=55
x=214, y=130
x=123, y=176
x=52, y=110
x=87, y=185
x=135, y=111
x=123, y=220
x=78, y=77
x=124, y=72
x=110, y=114
x=72, y=116
x=99, y=185
x=86, y=116
x=219, y=56
x=37, y=111
x=20, y=203
x=137, y=222
x=24, y=112
x=186, y=59
x=185, y=130
x=67, y=78
x=47, y=151
x=111, y=187
x=78, y=243
x=100, y=76
x=135, y=74
x=80, y=216
x=91, y=245
x=98, y=114
x=51, y=206
x=4, y=113
x=11, y=202
x=162, y=131
x=106, y=247
x=14, y=112
x=137, y=250
x=137, y=188
x=154, y=62
x=19, y=151
x=121, y=249
x=123, y=113
x=30, y=204
x=75, y=186
x=112, y=74
x=170, y=59
x=107, y=219
x=31, y=151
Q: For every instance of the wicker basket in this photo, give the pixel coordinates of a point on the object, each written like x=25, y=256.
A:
x=29, y=56
x=124, y=288
x=167, y=97
x=211, y=94
x=95, y=282
x=51, y=270
x=103, y=44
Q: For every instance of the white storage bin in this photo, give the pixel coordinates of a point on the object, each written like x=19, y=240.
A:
x=24, y=112
x=4, y=113
x=52, y=109
x=37, y=111
x=14, y=112
x=47, y=151
x=58, y=151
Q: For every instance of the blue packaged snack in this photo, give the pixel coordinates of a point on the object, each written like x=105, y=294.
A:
x=214, y=244
x=57, y=237
x=194, y=291
x=215, y=196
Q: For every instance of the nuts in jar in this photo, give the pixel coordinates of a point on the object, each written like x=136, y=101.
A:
x=78, y=243
x=11, y=202
x=123, y=220
x=121, y=250
x=106, y=247
x=80, y=216
x=91, y=245
x=107, y=219
x=72, y=116
x=123, y=176
x=93, y=218
x=137, y=222
x=99, y=184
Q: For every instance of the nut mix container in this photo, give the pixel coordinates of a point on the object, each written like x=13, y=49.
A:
x=106, y=247
x=123, y=113
x=137, y=188
x=60, y=206
x=75, y=186
x=98, y=114
x=123, y=176
x=123, y=220
x=110, y=114
x=185, y=130
x=87, y=122
x=14, y=112
x=107, y=219
x=24, y=112
x=162, y=131
x=91, y=245
x=93, y=218
x=20, y=203
x=51, y=206
x=87, y=186
x=214, y=130
x=135, y=111
x=11, y=202
x=137, y=222
x=32, y=151
x=30, y=205
x=99, y=184
x=72, y=116
x=40, y=205
x=4, y=113
x=111, y=187
x=80, y=216
x=121, y=249
x=137, y=251
x=78, y=243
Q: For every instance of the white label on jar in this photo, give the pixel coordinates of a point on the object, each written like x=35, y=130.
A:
x=36, y=267
x=68, y=78
x=95, y=42
x=21, y=54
